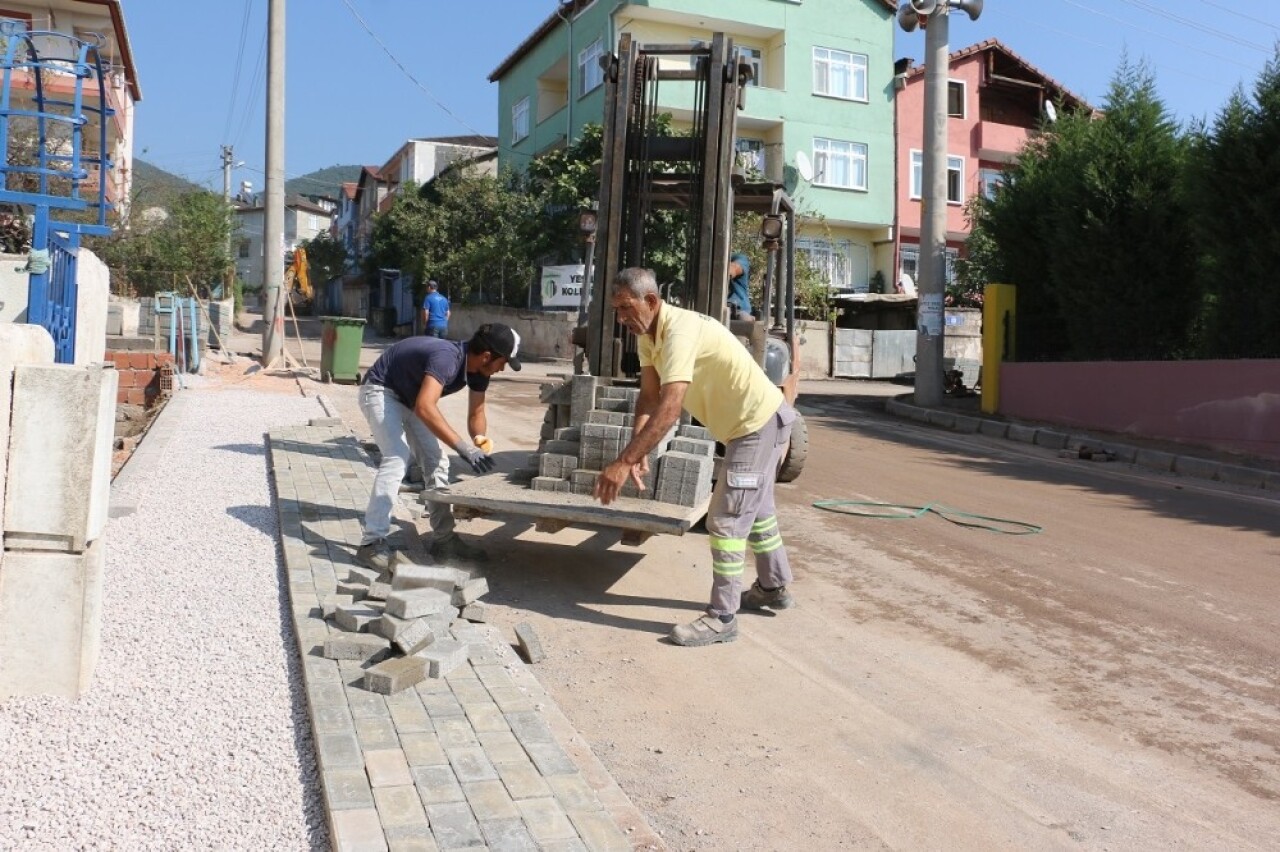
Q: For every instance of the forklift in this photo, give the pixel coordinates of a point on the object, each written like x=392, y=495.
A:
x=643, y=172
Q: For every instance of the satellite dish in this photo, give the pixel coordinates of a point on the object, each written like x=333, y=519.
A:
x=804, y=167
x=1050, y=111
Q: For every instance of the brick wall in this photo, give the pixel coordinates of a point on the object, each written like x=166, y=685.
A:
x=139, y=375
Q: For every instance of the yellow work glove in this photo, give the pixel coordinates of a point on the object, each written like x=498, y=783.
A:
x=484, y=444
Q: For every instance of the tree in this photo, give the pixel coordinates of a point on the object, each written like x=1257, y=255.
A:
x=326, y=258
x=191, y=241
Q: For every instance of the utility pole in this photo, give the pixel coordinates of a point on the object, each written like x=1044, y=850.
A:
x=228, y=162
x=934, y=15
x=273, y=215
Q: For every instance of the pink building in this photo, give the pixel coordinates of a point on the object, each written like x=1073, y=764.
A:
x=995, y=100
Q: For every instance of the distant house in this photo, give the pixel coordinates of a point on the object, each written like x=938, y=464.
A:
x=303, y=220
x=371, y=189
x=421, y=160
x=995, y=102
x=94, y=21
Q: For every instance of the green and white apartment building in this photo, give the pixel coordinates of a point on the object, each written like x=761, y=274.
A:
x=824, y=87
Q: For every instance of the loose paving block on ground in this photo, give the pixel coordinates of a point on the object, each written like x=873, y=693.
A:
x=480, y=757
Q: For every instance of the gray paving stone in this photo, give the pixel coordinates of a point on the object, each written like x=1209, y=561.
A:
x=523, y=780
x=391, y=676
x=490, y=800
x=493, y=676
x=994, y=428
x=356, y=591
x=355, y=646
x=443, y=656
x=528, y=643
x=502, y=747
x=357, y=831
x=546, y=820
x=400, y=807
x=471, y=693
x=507, y=835
x=339, y=751
x=362, y=576
x=470, y=591
x=1021, y=433
x=599, y=831
x=408, y=714
x=345, y=789
x=378, y=591
x=550, y=758
x=416, y=839
x=413, y=576
x=356, y=618
x=454, y=826
x=376, y=732
x=530, y=727
x=455, y=732
x=436, y=784
x=486, y=718
x=387, y=768
x=440, y=704
x=574, y=793
x=477, y=612
x=470, y=764
x=415, y=637
x=512, y=700
x=573, y=845
x=320, y=670
x=390, y=626
x=422, y=749
x=415, y=603
x=333, y=720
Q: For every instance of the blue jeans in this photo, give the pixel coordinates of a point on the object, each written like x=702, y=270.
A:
x=437, y=330
x=395, y=428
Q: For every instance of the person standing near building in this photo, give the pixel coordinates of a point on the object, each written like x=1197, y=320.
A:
x=739, y=287
x=435, y=311
x=400, y=398
x=691, y=361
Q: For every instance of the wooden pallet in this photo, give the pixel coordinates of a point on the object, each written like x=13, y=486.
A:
x=637, y=520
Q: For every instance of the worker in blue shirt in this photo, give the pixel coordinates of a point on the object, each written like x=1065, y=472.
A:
x=435, y=311
x=739, y=279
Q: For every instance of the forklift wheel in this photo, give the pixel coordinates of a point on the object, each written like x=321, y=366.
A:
x=793, y=461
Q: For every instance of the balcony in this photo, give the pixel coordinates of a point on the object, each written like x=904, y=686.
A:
x=1000, y=143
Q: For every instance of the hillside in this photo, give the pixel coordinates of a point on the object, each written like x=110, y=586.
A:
x=322, y=181
x=155, y=187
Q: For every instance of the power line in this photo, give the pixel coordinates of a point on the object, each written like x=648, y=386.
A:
x=256, y=85
x=1250, y=17
x=406, y=72
x=235, y=80
x=1158, y=35
x=1197, y=26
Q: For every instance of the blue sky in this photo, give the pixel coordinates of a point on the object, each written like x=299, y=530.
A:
x=348, y=102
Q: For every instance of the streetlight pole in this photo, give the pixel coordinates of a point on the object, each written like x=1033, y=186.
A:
x=932, y=286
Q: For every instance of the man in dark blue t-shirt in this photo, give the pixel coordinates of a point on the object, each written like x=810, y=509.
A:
x=400, y=398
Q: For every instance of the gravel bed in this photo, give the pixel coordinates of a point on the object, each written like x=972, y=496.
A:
x=194, y=734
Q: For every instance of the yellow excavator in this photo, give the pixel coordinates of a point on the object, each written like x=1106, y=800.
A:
x=297, y=283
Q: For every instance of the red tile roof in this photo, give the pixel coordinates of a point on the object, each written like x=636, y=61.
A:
x=994, y=44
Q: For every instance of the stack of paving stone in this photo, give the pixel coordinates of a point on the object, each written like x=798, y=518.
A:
x=412, y=623
x=570, y=457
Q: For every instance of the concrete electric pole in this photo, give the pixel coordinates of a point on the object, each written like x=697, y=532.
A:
x=932, y=286
x=228, y=162
x=273, y=214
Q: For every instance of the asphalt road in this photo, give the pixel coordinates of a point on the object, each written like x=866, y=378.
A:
x=1109, y=683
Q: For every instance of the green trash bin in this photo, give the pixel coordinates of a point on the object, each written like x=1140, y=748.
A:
x=340, y=341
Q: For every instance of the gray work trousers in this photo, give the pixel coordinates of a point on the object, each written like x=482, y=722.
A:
x=743, y=514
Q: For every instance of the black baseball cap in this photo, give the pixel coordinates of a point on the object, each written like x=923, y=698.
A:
x=501, y=340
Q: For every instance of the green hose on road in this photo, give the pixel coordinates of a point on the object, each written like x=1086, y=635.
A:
x=902, y=512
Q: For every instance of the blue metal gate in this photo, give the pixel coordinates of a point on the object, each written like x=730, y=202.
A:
x=52, y=298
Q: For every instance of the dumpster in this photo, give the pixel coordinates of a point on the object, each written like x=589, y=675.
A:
x=340, y=340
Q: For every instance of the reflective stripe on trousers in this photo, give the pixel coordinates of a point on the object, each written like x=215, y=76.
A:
x=742, y=513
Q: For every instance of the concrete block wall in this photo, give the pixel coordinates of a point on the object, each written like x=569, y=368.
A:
x=140, y=376
x=93, y=290
x=20, y=343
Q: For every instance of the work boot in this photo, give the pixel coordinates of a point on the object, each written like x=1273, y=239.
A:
x=707, y=630
x=758, y=597
x=376, y=556
x=453, y=547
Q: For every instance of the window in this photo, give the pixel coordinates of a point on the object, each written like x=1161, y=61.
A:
x=755, y=59
x=590, y=74
x=840, y=164
x=955, y=98
x=910, y=262
x=839, y=74
x=831, y=259
x=989, y=180
x=955, y=177
x=751, y=154
x=244, y=248
x=520, y=119
x=313, y=222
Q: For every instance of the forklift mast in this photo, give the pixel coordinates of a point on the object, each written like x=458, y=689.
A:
x=643, y=171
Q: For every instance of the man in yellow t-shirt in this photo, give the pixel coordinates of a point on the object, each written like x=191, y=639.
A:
x=690, y=361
